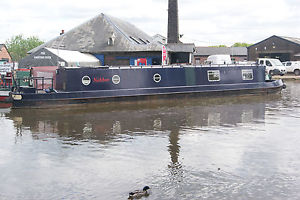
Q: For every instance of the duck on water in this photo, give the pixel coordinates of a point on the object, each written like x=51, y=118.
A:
x=137, y=194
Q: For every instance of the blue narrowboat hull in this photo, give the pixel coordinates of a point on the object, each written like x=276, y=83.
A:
x=85, y=85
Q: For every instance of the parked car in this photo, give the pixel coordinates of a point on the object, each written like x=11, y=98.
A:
x=273, y=66
x=292, y=67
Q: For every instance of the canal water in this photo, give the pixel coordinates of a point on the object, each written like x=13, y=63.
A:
x=214, y=148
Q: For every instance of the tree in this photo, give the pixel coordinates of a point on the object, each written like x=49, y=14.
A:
x=18, y=46
x=239, y=44
x=221, y=45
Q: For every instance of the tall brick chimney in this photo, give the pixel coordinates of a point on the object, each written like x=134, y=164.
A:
x=173, y=24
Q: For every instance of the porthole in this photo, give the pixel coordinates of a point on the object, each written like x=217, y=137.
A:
x=86, y=80
x=157, y=78
x=116, y=79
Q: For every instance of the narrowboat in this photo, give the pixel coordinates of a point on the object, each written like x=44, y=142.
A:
x=76, y=85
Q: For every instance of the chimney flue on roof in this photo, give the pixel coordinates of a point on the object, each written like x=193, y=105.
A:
x=173, y=24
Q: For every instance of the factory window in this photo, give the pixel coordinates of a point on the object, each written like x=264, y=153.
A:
x=213, y=75
x=157, y=78
x=142, y=41
x=4, y=59
x=116, y=79
x=135, y=40
x=247, y=74
x=156, y=61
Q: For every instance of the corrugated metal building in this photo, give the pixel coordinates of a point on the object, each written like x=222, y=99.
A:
x=58, y=57
x=281, y=47
x=236, y=53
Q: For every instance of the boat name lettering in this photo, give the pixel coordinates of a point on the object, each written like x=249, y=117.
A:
x=101, y=80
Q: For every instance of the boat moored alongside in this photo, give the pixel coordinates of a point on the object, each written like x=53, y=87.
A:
x=106, y=84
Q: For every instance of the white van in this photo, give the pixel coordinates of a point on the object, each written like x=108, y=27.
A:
x=221, y=59
x=273, y=66
x=292, y=67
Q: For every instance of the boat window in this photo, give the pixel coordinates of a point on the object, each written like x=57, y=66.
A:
x=157, y=78
x=213, y=75
x=86, y=80
x=247, y=74
x=116, y=79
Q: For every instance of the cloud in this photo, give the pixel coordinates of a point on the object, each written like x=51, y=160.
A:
x=203, y=22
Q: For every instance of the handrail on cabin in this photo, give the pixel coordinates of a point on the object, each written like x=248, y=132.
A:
x=33, y=82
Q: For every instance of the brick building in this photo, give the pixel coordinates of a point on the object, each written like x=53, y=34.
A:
x=4, y=54
x=237, y=53
x=281, y=47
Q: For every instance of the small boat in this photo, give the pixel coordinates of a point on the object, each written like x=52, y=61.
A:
x=4, y=96
x=5, y=101
x=106, y=84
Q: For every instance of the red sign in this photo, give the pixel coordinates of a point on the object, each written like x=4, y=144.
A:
x=141, y=61
x=164, y=55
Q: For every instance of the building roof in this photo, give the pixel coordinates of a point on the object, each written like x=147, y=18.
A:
x=159, y=38
x=181, y=47
x=101, y=34
x=55, y=57
x=234, y=51
x=3, y=45
x=74, y=56
x=289, y=39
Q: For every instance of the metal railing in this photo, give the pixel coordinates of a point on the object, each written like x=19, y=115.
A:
x=38, y=83
x=5, y=83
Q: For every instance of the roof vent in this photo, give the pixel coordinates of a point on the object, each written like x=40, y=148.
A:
x=111, y=39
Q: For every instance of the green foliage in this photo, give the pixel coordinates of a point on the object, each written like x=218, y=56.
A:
x=18, y=46
x=222, y=45
x=239, y=44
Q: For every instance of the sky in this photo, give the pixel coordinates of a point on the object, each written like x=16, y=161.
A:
x=203, y=22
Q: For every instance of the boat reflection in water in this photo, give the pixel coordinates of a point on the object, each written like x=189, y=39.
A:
x=136, y=137
x=113, y=122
